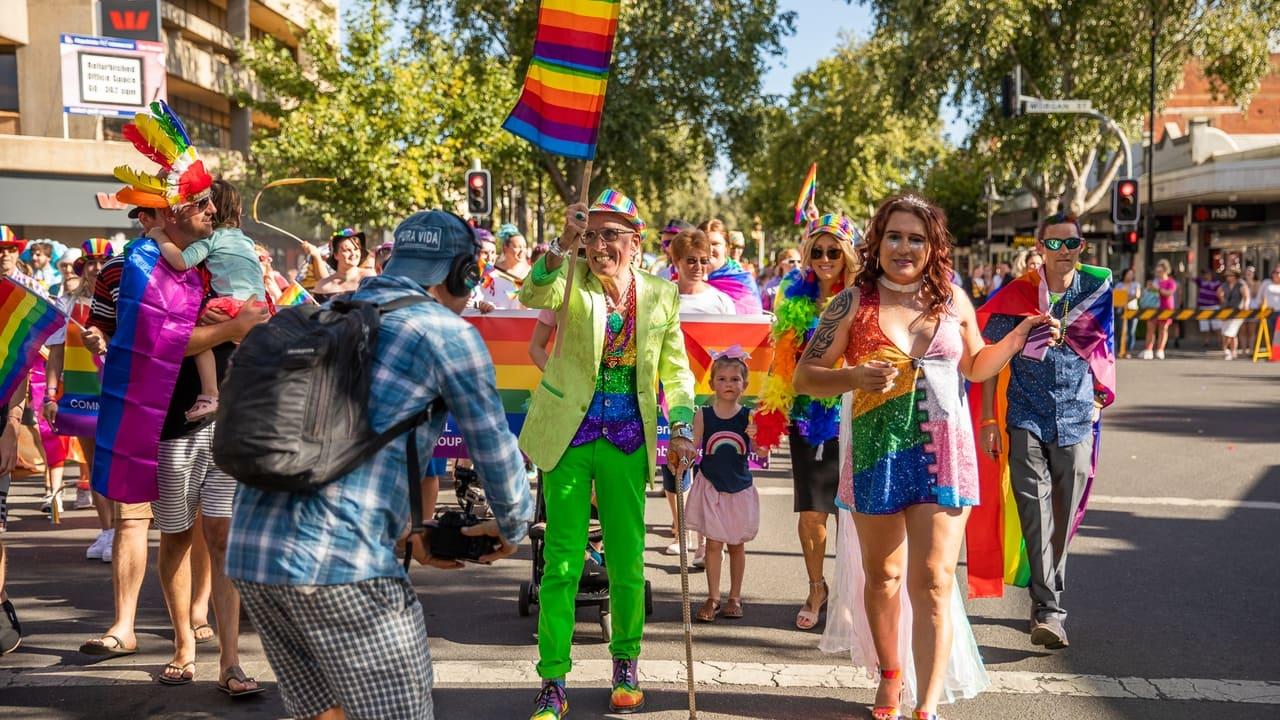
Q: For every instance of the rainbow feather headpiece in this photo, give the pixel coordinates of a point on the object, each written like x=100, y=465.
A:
x=612, y=201
x=159, y=135
x=98, y=247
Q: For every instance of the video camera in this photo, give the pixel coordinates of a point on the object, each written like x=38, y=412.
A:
x=447, y=540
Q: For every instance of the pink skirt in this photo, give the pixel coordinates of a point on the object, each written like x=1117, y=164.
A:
x=730, y=518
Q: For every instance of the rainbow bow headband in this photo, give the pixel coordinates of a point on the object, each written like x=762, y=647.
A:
x=612, y=201
x=159, y=135
x=734, y=352
x=838, y=225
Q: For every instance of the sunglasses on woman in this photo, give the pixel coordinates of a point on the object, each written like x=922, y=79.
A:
x=834, y=253
x=1056, y=244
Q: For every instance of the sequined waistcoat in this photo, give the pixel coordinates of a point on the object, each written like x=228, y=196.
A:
x=614, y=413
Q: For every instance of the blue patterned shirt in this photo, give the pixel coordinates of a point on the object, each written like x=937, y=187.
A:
x=1053, y=397
x=345, y=531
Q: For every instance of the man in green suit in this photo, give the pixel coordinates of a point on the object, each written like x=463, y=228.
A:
x=594, y=417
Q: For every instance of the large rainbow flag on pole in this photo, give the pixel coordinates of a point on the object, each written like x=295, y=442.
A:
x=26, y=322
x=560, y=107
x=996, y=549
x=154, y=318
x=81, y=381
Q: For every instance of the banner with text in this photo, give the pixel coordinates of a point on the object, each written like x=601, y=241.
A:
x=111, y=77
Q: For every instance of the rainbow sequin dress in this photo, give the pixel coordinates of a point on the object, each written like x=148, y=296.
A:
x=913, y=444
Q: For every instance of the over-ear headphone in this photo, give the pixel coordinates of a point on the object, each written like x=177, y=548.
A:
x=464, y=275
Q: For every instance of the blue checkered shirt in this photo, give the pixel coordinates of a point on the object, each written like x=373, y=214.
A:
x=345, y=531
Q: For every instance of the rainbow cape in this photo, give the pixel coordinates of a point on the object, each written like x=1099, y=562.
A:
x=808, y=192
x=559, y=109
x=295, y=294
x=26, y=322
x=734, y=281
x=155, y=315
x=81, y=380
x=997, y=553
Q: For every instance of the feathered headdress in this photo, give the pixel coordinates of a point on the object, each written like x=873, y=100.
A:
x=159, y=135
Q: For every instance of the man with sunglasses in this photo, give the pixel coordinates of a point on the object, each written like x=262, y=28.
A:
x=1054, y=396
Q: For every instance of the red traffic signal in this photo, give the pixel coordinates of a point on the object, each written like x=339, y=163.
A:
x=479, y=193
x=1127, y=188
x=1124, y=202
x=1131, y=239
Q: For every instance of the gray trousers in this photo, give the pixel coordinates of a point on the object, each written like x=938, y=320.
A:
x=1048, y=482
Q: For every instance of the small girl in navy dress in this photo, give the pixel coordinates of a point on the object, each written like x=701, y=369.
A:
x=723, y=504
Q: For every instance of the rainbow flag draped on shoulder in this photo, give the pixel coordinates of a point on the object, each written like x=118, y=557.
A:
x=26, y=321
x=563, y=98
x=155, y=315
x=997, y=553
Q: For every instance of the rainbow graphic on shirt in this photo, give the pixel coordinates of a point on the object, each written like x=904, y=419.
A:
x=724, y=438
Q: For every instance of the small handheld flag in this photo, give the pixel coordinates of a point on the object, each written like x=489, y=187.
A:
x=808, y=192
x=26, y=322
x=295, y=294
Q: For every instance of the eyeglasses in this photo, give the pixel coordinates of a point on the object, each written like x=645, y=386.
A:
x=1056, y=244
x=691, y=261
x=834, y=253
x=609, y=235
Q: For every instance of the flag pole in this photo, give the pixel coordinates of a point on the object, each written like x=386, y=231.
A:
x=584, y=194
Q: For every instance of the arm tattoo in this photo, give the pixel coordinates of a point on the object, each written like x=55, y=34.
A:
x=824, y=337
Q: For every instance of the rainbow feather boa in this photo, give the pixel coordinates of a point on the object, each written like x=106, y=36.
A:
x=818, y=420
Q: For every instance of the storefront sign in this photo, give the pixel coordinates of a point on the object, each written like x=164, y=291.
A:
x=1228, y=213
x=110, y=76
x=130, y=19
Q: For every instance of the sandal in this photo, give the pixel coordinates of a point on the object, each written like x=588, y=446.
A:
x=200, y=640
x=235, y=673
x=98, y=647
x=887, y=712
x=733, y=609
x=710, y=609
x=184, y=677
x=806, y=619
x=205, y=406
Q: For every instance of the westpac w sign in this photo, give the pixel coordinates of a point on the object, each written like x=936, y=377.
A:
x=131, y=19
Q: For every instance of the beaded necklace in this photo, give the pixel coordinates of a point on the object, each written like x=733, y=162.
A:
x=621, y=325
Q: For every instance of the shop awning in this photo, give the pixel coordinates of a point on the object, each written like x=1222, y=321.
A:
x=60, y=202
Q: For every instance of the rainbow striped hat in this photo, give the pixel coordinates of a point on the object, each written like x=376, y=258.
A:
x=98, y=247
x=837, y=225
x=9, y=237
x=612, y=201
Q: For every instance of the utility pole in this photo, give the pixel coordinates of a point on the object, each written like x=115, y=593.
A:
x=1149, y=254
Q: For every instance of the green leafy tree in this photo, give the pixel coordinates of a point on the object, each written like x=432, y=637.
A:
x=684, y=86
x=396, y=123
x=841, y=115
x=958, y=50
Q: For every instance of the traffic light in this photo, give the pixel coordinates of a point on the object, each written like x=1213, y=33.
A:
x=479, y=192
x=1130, y=240
x=1010, y=103
x=1124, y=202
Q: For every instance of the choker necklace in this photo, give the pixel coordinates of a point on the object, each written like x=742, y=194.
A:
x=909, y=288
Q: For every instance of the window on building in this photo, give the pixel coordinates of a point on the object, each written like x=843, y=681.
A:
x=204, y=10
x=8, y=79
x=205, y=125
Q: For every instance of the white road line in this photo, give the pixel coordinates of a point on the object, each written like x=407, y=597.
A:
x=1122, y=500
x=467, y=673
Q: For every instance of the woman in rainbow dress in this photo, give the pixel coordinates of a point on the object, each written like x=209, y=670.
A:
x=908, y=341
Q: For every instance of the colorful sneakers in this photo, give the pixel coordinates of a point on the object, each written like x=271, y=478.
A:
x=552, y=703
x=627, y=696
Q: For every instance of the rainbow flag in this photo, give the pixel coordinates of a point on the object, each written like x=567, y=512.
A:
x=740, y=285
x=295, y=294
x=155, y=315
x=559, y=109
x=996, y=549
x=506, y=333
x=81, y=380
x=808, y=192
x=27, y=322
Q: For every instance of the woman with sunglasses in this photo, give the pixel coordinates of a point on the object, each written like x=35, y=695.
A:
x=347, y=255
x=829, y=265
x=692, y=254
x=901, y=341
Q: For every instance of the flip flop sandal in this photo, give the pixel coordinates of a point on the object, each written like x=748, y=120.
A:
x=183, y=678
x=733, y=609
x=202, y=640
x=235, y=673
x=709, y=610
x=98, y=647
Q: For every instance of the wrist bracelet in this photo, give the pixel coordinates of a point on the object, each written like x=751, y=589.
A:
x=989, y=421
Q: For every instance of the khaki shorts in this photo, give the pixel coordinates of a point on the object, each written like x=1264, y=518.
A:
x=133, y=511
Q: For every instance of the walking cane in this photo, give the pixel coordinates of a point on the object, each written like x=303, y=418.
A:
x=684, y=596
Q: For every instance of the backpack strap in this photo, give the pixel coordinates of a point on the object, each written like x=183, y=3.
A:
x=414, y=468
x=403, y=302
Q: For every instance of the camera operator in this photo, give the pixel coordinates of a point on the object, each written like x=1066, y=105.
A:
x=317, y=571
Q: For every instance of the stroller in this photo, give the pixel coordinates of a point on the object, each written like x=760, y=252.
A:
x=593, y=586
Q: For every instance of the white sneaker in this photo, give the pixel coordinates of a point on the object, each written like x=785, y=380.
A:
x=1159, y=355
x=95, y=550
x=1146, y=355
x=1226, y=355
x=700, y=557
x=108, y=545
x=84, y=498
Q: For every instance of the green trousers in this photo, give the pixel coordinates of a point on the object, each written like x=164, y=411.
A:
x=620, y=487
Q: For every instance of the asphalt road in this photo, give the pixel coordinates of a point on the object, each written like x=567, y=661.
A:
x=1173, y=583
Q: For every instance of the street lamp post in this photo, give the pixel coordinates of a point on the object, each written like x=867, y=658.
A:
x=1149, y=258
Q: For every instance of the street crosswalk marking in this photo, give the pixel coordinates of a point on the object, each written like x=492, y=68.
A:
x=775, y=490
x=711, y=674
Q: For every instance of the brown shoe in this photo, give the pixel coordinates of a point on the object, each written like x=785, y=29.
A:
x=733, y=609
x=709, y=610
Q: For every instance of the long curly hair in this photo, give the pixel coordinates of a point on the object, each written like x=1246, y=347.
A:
x=936, y=278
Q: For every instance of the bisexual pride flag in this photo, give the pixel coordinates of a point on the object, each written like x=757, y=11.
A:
x=559, y=109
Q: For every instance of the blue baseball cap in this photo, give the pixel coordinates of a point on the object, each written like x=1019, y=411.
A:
x=425, y=245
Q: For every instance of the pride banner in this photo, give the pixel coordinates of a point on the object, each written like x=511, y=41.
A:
x=81, y=381
x=507, y=333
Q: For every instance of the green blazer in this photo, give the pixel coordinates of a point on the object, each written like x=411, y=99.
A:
x=560, y=401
